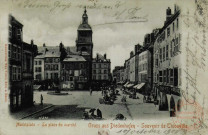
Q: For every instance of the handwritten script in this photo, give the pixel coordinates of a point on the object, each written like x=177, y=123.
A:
x=196, y=53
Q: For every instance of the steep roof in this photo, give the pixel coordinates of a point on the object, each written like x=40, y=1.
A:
x=52, y=53
x=74, y=58
x=48, y=51
x=100, y=58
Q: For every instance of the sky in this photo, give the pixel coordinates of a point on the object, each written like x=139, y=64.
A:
x=52, y=22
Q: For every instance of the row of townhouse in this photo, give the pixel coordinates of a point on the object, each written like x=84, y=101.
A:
x=137, y=70
x=155, y=67
x=167, y=63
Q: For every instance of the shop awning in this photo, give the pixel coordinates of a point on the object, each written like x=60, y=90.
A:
x=126, y=84
x=140, y=85
x=136, y=86
x=129, y=85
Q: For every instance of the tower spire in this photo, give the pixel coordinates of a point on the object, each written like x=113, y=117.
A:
x=84, y=16
x=85, y=11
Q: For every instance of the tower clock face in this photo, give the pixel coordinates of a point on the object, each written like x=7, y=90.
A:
x=84, y=36
x=84, y=39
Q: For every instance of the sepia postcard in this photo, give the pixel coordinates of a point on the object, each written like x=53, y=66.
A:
x=103, y=67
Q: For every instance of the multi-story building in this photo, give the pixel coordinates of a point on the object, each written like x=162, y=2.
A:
x=101, y=67
x=167, y=64
x=122, y=75
x=39, y=62
x=127, y=70
x=74, y=73
x=137, y=49
x=15, y=62
x=132, y=67
x=47, y=63
x=21, y=56
x=29, y=52
x=117, y=74
x=144, y=60
x=52, y=64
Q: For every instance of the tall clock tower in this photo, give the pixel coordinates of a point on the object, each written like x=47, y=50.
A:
x=84, y=44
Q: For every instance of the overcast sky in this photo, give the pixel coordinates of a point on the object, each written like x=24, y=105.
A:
x=52, y=24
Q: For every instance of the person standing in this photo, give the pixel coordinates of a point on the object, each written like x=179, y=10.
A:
x=41, y=99
x=102, y=91
x=99, y=114
x=90, y=91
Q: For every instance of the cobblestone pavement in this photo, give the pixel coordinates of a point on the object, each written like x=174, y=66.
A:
x=71, y=106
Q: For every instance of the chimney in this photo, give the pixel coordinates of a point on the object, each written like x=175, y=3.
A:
x=135, y=48
x=97, y=56
x=168, y=14
x=44, y=45
x=131, y=53
x=105, y=55
x=32, y=42
x=60, y=47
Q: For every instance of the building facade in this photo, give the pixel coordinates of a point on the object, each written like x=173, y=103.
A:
x=143, y=66
x=118, y=72
x=122, y=75
x=15, y=62
x=167, y=64
x=101, y=67
x=52, y=64
x=29, y=52
x=132, y=68
x=74, y=73
x=137, y=49
x=39, y=73
x=21, y=57
x=127, y=70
